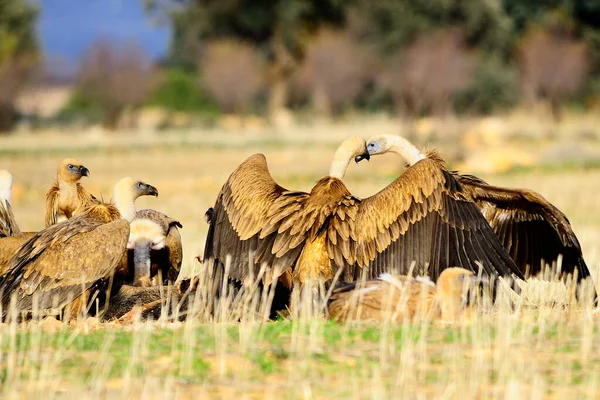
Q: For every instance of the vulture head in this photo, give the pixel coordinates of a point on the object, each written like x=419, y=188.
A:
x=144, y=236
x=6, y=181
x=454, y=287
x=126, y=191
x=71, y=170
x=133, y=189
x=354, y=147
x=381, y=144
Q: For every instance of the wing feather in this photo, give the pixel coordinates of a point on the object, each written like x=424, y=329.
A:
x=61, y=261
x=52, y=205
x=8, y=224
x=424, y=217
x=247, y=219
x=531, y=229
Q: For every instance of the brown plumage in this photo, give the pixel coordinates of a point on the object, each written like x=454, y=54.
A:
x=255, y=217
x=421, y=217
x=67, y=198
x=11, y=237
x=8, y=224
x=531, y=229
x=154, y=248
x=150, y=302
x=60, y=262
x=396, y=298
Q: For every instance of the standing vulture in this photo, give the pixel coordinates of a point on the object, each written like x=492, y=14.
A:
x=395, y=298
x=531, y=229
x=154, y=248
x=421, y=217
x=80, y=255
x=67, y=198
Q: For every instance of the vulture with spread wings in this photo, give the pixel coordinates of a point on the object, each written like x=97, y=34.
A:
x=68, y=262
x=532, y=230
x=423, y=217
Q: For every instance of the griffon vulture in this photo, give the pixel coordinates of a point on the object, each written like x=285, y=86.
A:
x=79, y=255
x=395, y=298
x=531, y=229
x=154, y=245
x=421, y=217
x=60, y=261
x=154, y=248
x=67, y=198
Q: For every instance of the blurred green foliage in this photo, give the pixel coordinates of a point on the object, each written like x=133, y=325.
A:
x=180, y=90
x=80, y=109
x=282, y=32
x=18, y=54
x=495, y=85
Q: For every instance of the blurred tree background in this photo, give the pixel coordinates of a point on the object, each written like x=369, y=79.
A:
x=409, y=58
x=18, y=55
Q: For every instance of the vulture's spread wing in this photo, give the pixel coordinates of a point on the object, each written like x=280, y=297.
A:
x=249, y=215
x=532, y=230
x=424, y=217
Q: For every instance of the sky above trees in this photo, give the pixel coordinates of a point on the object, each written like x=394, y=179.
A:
x=67, y=28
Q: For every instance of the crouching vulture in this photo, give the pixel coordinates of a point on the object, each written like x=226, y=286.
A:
x=79, y=255
x=531, y=229
x=154, y=252
x=421, y=217
x=60, y=261
x=395, y=298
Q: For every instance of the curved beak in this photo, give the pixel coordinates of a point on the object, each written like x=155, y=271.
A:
x=151, y=191
x=364, y=156
x=84, y=171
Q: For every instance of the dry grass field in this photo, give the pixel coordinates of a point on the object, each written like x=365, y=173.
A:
x=541, y=347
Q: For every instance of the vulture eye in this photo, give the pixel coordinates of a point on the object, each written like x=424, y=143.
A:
x=70, y=166
x=371, y=144
x=139, y=185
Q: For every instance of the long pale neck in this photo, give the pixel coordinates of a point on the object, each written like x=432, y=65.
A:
x=141, y=270
x=405, y=149
x=6, y=192
x=125, y=204
x=340, y=162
